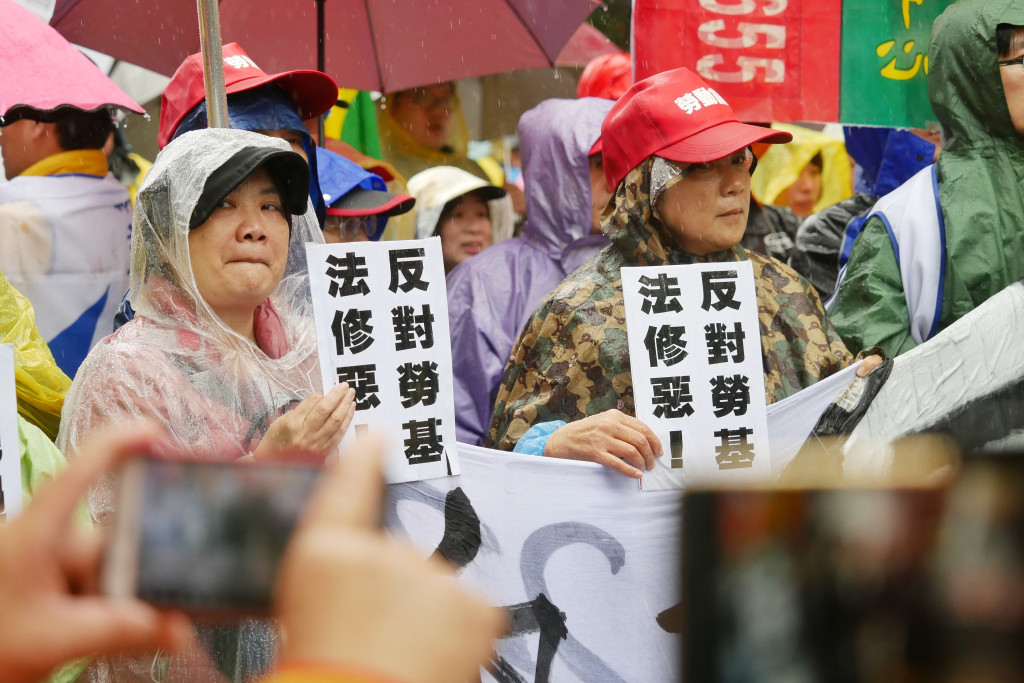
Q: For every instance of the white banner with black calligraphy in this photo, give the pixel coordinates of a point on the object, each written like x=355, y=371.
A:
x=588, y=567
x=381, y=314
x=695, y=357
x=10, y=456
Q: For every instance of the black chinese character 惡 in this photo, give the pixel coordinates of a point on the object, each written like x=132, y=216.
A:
x=664, y=290
x=418, y=383
x=424, y=444
x=347, y=275
x=352, y=331
x=730, y=395
x=362, y=378
x=734, y=452
x=665, y=344
x=723, y=284
x=407, y=265
x=411, y=328
x=723, y=344
x=672, y=396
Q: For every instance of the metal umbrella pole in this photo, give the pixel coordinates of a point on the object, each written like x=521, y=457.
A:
x=320, y=64
x=213, y=64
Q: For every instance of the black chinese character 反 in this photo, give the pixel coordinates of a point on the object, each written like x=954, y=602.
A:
x=418, y=383
x=423, y=444
x=665, y=344
x=723, y=284
x=734, y=452
x=730, y=395
x=672, y=396
x=407, y=266
x=346, y=275
x=722, y=344
x=411, y=328
x=352, y=331
x=362, y=378
x=664, y=290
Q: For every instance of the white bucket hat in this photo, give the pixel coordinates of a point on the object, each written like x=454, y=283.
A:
x=437, y=186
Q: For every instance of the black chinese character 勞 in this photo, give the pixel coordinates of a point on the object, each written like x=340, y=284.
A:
x=663, y=289
x=424, y=444
x=346, y=275
x=734, y=452
x=730, y=395
x=665, y=344
x=407, y=266
x=672, y=396
x=362, y=378
x=352, y=331
x=723, y=284
x=411, y=328
x=418, y=383
x=723, y=344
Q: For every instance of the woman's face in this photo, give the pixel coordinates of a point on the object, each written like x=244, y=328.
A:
x=239, y=254
x=465, y=230
x=706, y=211
x=341, y=229
x=426, y=113
x=802, y=195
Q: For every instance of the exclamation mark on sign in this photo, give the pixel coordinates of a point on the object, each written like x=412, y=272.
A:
x=676, y=448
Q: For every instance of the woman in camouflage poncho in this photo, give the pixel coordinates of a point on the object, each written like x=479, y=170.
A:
x=683, y=191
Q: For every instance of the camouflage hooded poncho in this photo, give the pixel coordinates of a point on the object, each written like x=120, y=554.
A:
x=572, y=360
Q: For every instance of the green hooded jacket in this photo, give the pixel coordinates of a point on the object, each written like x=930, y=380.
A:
x=981, y=189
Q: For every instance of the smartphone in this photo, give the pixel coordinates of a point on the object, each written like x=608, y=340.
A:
x=203, y=537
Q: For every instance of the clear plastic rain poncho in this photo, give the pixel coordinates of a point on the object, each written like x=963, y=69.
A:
x=213, y=390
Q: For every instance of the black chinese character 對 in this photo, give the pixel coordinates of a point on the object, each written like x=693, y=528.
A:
x=730, y=395
x=664, y=290
x=352, y=331
x=723, y=344
x=734, y=452
x=424, y=443
x=672, y=396
x=418, y=383
x=362, y=378
x=407, y=266
x=347, y=275
x=723, y=284
x=665, y=344
x=411, y=328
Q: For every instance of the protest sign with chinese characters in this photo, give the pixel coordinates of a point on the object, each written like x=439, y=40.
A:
x=695, y=357
x=381, y=313
x=10, y=457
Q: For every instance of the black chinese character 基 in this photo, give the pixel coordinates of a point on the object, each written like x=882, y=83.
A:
x=352, y=331
x=730, y=395
x=672, y=396
x=410, y=328
x=666, y=344
x=362, y=378
x=409, y=264
x=418, y=383
x=347, y=270
x=722, y=344
x=660, y=288
x=424, y=443
x=723, y=284
x=734, y=452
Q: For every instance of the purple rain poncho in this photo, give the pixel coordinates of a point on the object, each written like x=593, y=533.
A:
x=493, y=294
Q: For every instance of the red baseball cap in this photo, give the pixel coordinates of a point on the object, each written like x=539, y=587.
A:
x=312, y=92
x=675, y=115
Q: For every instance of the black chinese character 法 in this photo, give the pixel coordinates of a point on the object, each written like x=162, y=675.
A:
x=411, y=328
x=352, y=331
x=723, y=344
x=346, y=275
x=723, y=284
x=663, y=290
x=362, y=378
x=424, y=444
x=665, y=344
x=730, y=395
x=734, y=452
x=418, y=383
x=672, y=396
x=407, y=265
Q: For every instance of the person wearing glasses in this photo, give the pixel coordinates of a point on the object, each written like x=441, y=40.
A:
x=358, y=203
x=950, y=237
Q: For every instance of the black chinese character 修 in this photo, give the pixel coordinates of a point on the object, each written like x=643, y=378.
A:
x=723, y=284
x=411, y=328
x=352, y=331
x=672, y=396
x=424, y=444
x=407, y=263
x=734, y=452
x=723, y=344
x=664, y=290
x=665, y=344
x=362, y=378
x=418, y=383
x=730, y=395
x=346, y=275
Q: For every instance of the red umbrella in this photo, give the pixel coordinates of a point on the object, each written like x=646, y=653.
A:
x=43, y=70
x=384, y=45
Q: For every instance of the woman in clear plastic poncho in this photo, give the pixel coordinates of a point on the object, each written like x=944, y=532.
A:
x=223, y=345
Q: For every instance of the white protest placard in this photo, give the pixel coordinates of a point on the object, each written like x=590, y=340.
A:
x=10, y=456
x=695, y=356
x=381, y=313
x=587, y=566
